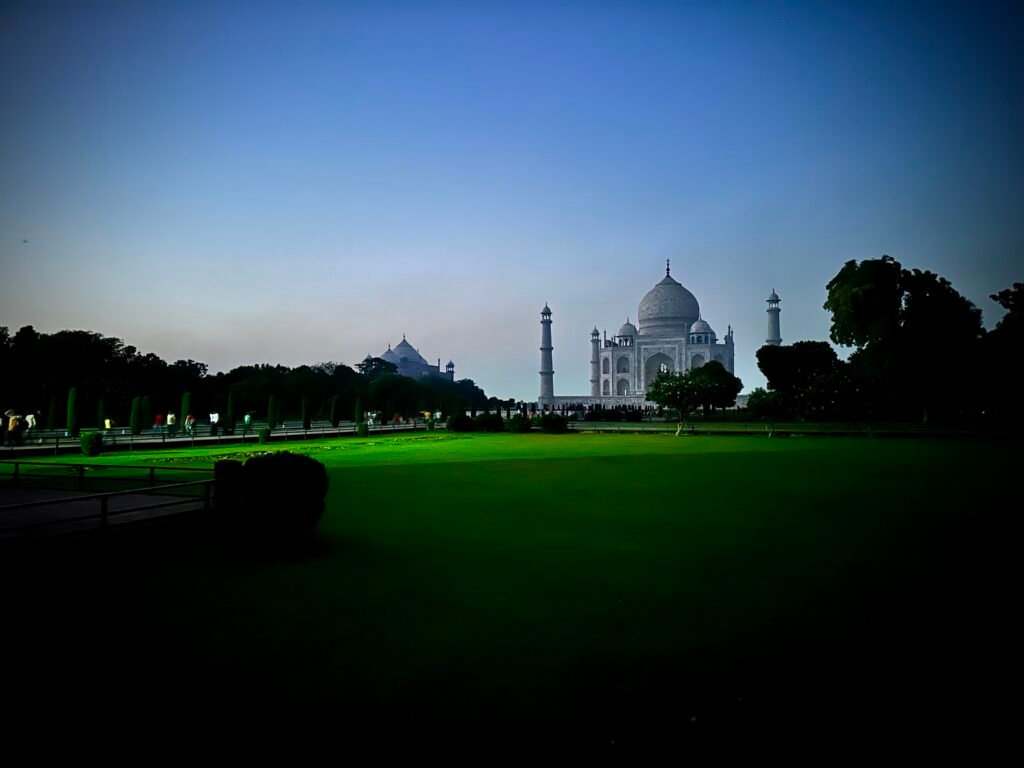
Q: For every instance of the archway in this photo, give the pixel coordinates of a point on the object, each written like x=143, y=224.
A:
x=622, y=387
x=696, y=361
x=656, y=364
x=607, y=387
x=605, y=366
x=622, y=365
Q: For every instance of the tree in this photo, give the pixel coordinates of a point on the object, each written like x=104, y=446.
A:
x=359, y=410
x=903, y=324
x=186, y=406
x=765, y=406
x=716, y=387
x=306, y=422
x=808, y=377
x=676, y=391
x=373, y=367
x=101, y=413
x=335, y=418
x=72, y=412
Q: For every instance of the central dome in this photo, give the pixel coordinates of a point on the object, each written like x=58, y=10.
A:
x=668, y=309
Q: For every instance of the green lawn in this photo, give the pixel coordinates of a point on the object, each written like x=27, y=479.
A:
x=596, y=586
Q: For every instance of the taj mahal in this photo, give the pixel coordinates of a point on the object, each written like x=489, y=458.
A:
x=670, y=336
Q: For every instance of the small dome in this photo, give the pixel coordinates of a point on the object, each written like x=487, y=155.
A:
x=668, y=309
x=546, y=310
x=700, y=327
x=628, y=329
x=595, y=332
x=774, y=296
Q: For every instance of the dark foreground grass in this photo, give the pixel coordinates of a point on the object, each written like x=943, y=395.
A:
x=589, y=588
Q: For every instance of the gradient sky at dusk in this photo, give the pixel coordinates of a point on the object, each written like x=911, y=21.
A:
x=293, y=183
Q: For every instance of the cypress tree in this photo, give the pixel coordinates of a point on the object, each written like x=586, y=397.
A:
x=334, y=411
x=359, y=410
x=186, y=407
x=51, y=415
x=272, y=412
x=146, y=412
x=136, y=414
x=306, y=422
x=229, y=415
x=72, y=421
x=101, y=414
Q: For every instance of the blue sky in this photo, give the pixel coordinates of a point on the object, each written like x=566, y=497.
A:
x=298, y=182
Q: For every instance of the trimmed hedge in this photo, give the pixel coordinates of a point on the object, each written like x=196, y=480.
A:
x=519, y=423
x=91, y=442
x=554, y=424
x=283, y=493
x=460, y=422
x=489, y=422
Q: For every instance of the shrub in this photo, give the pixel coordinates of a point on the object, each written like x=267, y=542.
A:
x=72, y=422
x=229, y=415
x=519, y=423
x=272, y=412
x=489, y=422
x=51, y=415
x=554, y=424
x=363, y=429
x=460, y=422
x=227, y=474
x=264, y=435
x=91, y=442
x=133, y=420
x=283, y=494
x=430, y=425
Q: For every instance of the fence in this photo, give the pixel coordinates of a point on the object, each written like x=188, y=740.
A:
x=56, y=441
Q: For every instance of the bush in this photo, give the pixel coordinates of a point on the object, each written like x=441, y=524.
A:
x=264, y=435
x=72, y=411
x=430, y=425
x=554, y=424
x=363, y=429
x=489, y=422
x=519, y=423
x=460, y=422
x=134, y=425
x=283, y=494
x=227, y=475
x=91, y=442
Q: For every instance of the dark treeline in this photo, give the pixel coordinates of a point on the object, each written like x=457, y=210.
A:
x=920, y=353
x=39, y=370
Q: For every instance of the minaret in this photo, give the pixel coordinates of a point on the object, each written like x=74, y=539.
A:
x=595, y=363
x=774, y=334
x=547, y=369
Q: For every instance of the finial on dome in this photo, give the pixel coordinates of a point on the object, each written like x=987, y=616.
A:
x=668, y=265
x=403, y=337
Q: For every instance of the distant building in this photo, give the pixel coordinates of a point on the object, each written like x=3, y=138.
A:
x=411, y=363
x=671, y=336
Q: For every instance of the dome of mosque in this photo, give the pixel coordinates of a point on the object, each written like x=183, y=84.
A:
x=668, y=309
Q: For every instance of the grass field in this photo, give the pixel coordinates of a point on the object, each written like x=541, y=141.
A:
x=593, y=587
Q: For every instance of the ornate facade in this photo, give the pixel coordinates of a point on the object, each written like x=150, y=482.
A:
x=671, y=337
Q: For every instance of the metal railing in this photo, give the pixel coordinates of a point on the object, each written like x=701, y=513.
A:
x=77, y=472
x=56, y=440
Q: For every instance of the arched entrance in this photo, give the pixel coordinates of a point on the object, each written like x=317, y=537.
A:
x=656, y=364
x=696, y=362
x=622, y=387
